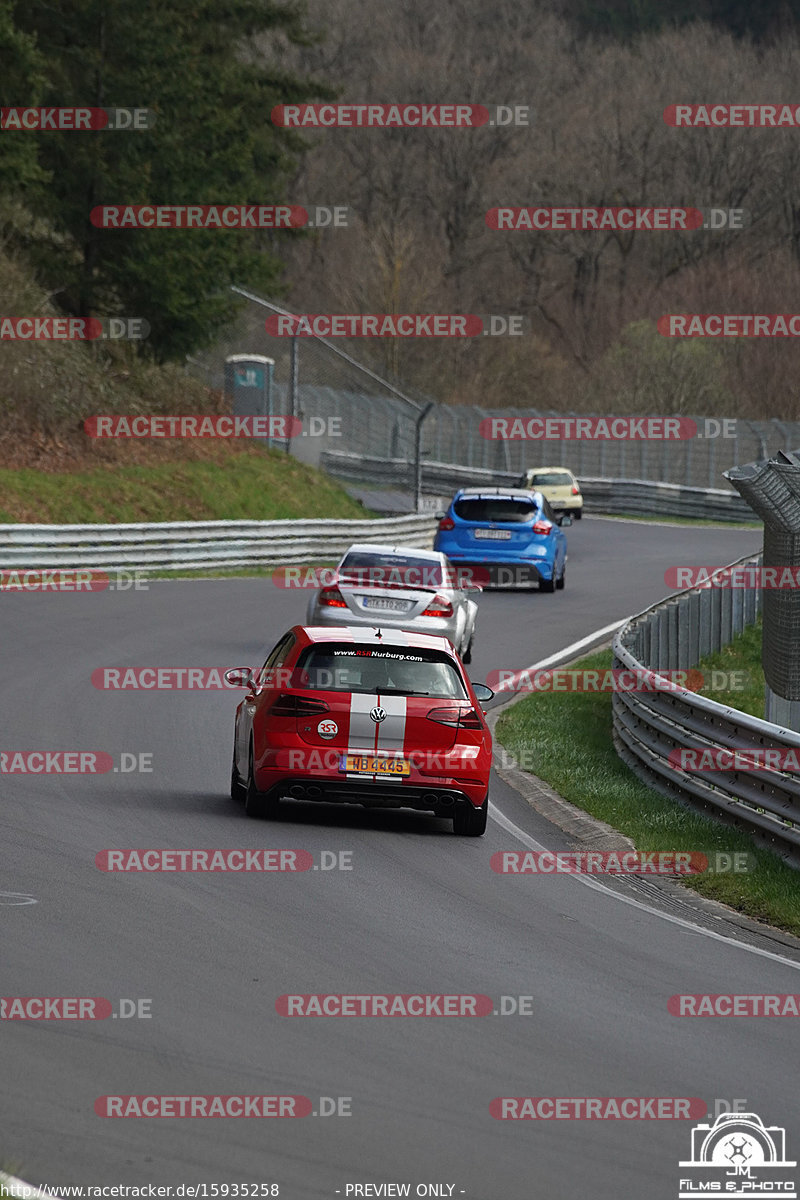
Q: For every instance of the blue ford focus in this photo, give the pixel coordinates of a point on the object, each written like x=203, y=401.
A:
x=510, y=537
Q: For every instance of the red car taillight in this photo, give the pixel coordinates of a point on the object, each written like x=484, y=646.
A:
x=331, y=597
x=446, y=524
x=542, y=527
x=461, y=718
x=576, y=491
x=439, y=607
x=297, y=706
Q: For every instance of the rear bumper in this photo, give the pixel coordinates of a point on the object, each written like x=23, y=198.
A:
x=513, y=573
x=441, y=800
x=438, y=626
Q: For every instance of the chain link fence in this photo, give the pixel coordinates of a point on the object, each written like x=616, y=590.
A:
x=347, y=407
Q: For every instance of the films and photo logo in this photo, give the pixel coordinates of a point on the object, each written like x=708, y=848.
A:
x=737, y=1156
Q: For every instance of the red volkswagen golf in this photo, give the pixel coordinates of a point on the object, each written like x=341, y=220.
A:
x=360, y=716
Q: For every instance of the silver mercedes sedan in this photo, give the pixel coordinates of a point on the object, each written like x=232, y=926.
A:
x=401, y=588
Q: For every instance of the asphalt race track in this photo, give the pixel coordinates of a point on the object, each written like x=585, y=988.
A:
x=420, y=911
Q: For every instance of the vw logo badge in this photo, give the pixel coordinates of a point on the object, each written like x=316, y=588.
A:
x=378, y=714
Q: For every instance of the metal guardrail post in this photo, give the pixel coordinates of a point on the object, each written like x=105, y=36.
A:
x=672, y=636
x=294, y=376
x=716, y=620
x=725, y=617
x=704, y=641
x=418, y=456
x=691, y=638
x=681, y=636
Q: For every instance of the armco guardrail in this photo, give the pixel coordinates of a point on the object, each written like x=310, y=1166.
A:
x=641, y=497
x=193, y=545
x=648, y=725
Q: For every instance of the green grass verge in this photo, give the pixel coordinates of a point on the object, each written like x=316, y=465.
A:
x=264, y=486
x=565, y=739
x=7, y=1170
x=263, y=570
x=741, y=657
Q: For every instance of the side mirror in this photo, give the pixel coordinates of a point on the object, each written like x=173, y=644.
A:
x=483, y=693
x=471, y=587
x=241, y=677
x=566, y=519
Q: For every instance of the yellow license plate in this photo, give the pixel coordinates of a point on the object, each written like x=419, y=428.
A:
x=369, y=764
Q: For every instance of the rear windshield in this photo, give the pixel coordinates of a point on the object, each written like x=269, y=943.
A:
x=494, y=508
x=351, y=668
x=384, y=570
x=551, y=479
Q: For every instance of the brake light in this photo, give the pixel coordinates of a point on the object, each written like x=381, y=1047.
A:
x=439, y=607
x=446, y=524
x=460, y=718
x=544, y=527
x=288, y=705
x=331, y=597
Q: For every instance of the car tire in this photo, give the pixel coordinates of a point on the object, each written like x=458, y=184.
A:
x=562, y=579
x=466, y=657
x=256, y=804
x=237, y=787
x=469, y=821
x=547, y=585
x=578, y=513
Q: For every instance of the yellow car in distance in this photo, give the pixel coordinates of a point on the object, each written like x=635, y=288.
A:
x=560, y=488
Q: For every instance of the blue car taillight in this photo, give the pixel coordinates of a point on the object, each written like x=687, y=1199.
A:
x=543, y=527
